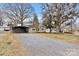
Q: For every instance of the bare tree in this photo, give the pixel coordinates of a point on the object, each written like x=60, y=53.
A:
x=2, y=16
x=47, y=16
x=72, y=14
x=18, y=12
x=60, y=13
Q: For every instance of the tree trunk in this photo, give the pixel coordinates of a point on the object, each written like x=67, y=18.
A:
x=58, y=29
x=50, y=30
x=21, y=22
x=58, y=24
x=50, y=20
x=71, y=27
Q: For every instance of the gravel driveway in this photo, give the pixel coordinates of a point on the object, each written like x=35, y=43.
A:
x=41, y=46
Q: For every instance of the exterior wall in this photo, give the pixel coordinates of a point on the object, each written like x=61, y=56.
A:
x=2, y=28
x=42, y=29
x=31, y=29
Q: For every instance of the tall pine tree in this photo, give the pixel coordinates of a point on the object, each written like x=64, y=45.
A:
x=36, y=23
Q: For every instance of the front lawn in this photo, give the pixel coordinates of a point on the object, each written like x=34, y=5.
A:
x=10, y=46
x=64, y=37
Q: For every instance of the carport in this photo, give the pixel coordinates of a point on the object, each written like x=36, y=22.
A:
x=20, y=29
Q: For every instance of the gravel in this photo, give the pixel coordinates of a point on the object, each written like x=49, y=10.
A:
x=42, y=46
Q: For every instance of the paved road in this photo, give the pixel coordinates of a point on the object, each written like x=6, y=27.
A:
x=41, y=46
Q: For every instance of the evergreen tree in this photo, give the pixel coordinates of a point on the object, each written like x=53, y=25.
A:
x=36, y=23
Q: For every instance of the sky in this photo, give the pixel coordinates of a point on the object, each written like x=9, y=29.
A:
x=37, y=8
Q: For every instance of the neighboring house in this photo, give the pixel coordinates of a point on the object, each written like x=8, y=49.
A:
x=29, y=23
x=32, y=28
x=66, y=26
x=41, y=28
x=3, y=28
